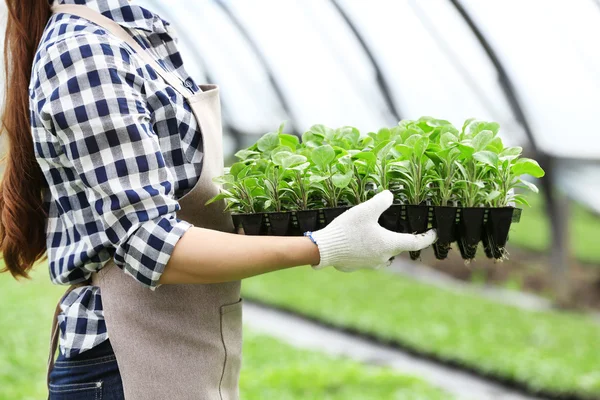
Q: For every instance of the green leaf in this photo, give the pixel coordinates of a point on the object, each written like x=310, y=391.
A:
x=269, y=186
x=245, y=154
x=279, y=157
x=496, y=145
x=433, y=147
x=510, y=153
x=492, y=195
x=410, y=132
x=279, y=149
x=287, y=159
x=290, y=141
x=529, y=186
x=411, y=140
x=527, y=166
x=434, y=157
x=447, y=139
x=219, y=197
x=487, y=157
x=341, y=180
x=344, y=165
x=494, y=127
x=462, y=169
x=420, y=146
x=405, y=164
x=350, y=133
x=280, y=129
x=314, y=136
x=482, y=139
x=301, y=167
x=520, y=199
x=312, y=143
x=367, y=156
x=315, y=178
x=384, y=134
x=223, y=180
x=396, y=132
x=236, y=168
x=365, y=141
x=268, y=142
x=383, y=149
x=466, y=128
x=466, y=150
x=243, y=173
x=321, y=130
x=405, y=150
x=323, y=156
x=250, y=183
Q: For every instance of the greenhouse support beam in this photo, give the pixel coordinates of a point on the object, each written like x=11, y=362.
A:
x=197, y=58
x=505, y=81
x=558, y=215
x=263, y=61
x=380, y=77
x=557, y=210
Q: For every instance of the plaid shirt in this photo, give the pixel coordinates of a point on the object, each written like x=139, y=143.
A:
x=118, y=148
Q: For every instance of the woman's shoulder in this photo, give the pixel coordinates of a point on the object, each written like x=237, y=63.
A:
x=70, y=39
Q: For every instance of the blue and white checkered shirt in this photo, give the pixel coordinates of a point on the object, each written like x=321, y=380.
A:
x=118, y=148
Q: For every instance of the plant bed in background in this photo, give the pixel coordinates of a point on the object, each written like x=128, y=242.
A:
x=527, y=271
x=270, y=369
x=555, y=353
x=430, y=167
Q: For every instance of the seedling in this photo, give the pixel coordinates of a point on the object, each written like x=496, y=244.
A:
x=330, y=177
x=462, y=183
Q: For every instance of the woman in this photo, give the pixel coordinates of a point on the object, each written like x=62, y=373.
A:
x=112, y=151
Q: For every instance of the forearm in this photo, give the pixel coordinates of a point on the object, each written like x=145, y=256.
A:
x=207, y=256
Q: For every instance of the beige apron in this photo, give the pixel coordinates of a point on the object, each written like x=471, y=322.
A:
x=179, y=341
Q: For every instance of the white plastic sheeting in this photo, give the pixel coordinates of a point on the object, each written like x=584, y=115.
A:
x=298, y=60
x=431, y=62
x=323, y=72
x=550, y=49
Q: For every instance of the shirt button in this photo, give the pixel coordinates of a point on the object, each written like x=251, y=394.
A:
x=189, y=84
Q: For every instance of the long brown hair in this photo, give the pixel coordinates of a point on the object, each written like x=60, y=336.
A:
x=22, y=214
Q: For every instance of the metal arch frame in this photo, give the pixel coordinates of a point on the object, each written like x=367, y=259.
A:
x=236, y=133
x=262, y=59
x=557, y=207
x=505, y=81
x=380, y=77
x=453, y=57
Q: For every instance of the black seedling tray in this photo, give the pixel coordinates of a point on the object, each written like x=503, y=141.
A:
x=465, y=226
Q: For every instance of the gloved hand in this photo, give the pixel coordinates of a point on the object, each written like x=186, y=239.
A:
x=355, y=240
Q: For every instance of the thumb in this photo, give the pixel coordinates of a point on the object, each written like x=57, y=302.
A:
x=379, y=203
x=410, y=242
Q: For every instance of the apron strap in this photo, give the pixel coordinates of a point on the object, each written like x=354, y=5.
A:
x=120, y=32
x=55, y=328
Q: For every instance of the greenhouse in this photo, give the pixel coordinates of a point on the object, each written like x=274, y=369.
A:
x=515, y=317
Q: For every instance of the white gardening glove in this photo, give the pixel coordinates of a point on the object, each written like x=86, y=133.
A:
x=355, y=240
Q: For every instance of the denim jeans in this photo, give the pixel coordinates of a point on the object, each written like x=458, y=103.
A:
x=92, y=375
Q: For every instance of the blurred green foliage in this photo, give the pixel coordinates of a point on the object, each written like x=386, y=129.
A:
x=533, y=232
x=271, y=369
x=553, y=351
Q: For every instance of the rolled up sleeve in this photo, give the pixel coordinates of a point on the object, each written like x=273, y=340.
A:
x=96, y=108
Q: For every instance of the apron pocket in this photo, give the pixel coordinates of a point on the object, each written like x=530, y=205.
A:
x=231, y=334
